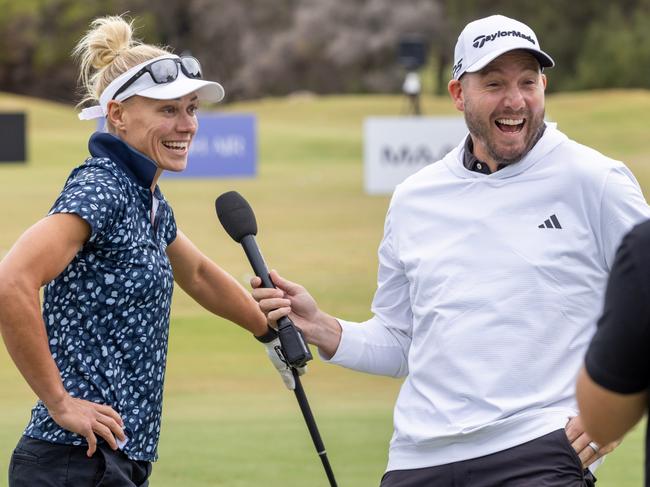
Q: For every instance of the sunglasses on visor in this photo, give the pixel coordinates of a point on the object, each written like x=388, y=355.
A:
x=165, y=71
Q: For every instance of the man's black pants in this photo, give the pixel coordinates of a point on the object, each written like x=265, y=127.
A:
x=549, y=461
x=43, y=464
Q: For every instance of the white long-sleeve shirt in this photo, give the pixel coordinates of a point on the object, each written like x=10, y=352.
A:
x=485, y=309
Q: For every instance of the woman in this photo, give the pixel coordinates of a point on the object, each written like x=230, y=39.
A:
x=108, y=254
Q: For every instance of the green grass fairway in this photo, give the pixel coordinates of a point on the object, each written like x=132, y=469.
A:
x=228, y=421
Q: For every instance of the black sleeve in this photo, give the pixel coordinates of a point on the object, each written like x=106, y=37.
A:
x=618, y=358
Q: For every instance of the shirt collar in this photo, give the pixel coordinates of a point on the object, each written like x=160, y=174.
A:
x=473, y=164
x=136, y=165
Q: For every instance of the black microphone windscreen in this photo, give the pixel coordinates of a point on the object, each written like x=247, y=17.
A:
x=236, y=215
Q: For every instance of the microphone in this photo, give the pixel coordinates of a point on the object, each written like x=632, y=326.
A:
x=237, y=218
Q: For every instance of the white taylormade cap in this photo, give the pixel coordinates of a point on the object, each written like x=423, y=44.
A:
x=209, y=91
x=485, y=39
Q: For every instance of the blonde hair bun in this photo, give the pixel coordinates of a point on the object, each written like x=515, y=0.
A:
x=108, y=37
x=106, y=51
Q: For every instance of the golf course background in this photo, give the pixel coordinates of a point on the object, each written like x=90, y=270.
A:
x=228, y=420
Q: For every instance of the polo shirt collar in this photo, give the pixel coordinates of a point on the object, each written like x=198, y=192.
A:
x=473, y=164
x=135, y=164
x=551, y=138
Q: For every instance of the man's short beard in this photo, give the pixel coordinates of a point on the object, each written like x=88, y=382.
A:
x=478, y=131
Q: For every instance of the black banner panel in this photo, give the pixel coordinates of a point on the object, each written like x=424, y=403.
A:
x=12, y=137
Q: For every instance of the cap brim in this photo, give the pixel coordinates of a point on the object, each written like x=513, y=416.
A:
x=545, y=61
x=208, y=91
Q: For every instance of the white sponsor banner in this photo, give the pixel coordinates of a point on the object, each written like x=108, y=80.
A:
x=396, y=147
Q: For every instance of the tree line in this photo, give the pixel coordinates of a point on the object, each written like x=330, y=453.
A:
x=274, y=47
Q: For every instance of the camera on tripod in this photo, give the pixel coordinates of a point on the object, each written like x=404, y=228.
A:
x=412, y=55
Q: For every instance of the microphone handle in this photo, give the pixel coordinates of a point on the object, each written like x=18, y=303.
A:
x=256, y=260
x=293, y=343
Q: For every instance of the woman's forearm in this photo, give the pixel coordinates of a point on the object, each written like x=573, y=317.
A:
x=219, y=292
x=24, y=335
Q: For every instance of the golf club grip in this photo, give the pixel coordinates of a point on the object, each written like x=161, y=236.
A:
x=313, y=429
x=293, y=343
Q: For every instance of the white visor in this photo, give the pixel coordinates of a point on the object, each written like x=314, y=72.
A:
x=208, y=91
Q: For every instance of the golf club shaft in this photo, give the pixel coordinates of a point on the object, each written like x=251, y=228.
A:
x=313, y=429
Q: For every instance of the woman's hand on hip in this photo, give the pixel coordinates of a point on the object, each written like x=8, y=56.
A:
x=89, y=419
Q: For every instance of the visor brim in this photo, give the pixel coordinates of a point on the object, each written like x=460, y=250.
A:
x=207, y=91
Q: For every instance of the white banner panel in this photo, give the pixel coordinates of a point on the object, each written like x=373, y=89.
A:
x=396, y=147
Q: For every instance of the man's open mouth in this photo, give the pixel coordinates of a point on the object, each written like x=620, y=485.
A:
x=510, y=125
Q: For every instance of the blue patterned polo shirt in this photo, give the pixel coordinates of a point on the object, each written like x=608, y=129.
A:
x=107, y=313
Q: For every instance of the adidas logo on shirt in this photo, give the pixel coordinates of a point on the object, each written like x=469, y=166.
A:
x=552, y=222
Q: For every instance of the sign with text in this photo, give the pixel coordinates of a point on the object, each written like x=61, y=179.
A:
x=12, y=137
x=225, y=146
x=396, y=147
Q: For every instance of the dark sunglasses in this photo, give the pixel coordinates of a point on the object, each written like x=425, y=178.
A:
x=165, y=71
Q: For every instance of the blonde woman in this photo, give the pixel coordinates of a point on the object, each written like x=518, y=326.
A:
x=108, y=254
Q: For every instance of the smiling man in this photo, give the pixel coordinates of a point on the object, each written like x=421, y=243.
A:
x=492, y=271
